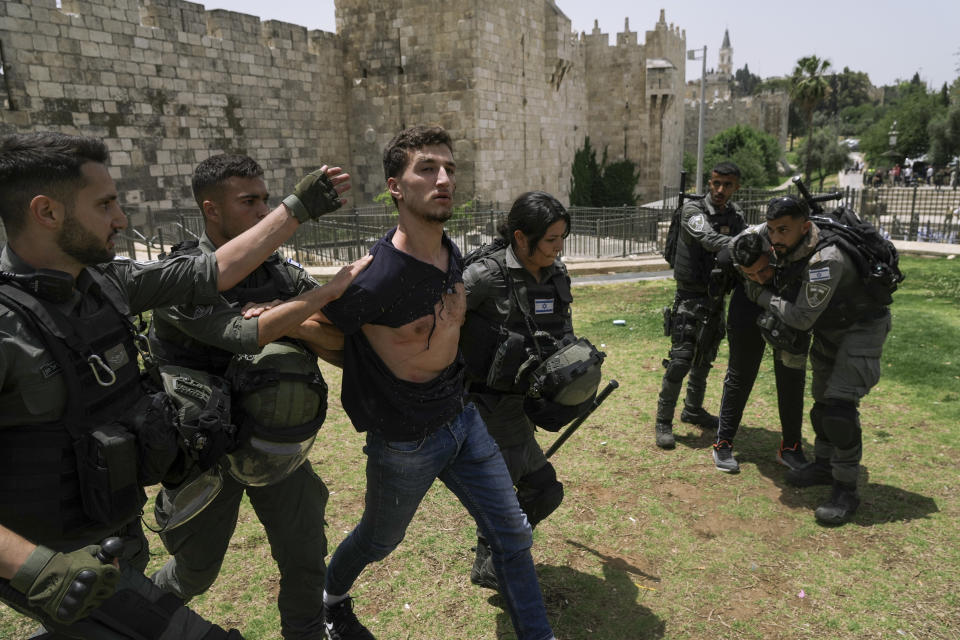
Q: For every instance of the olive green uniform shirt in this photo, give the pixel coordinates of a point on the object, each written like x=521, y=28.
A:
x=32, y=389
x=222, y=324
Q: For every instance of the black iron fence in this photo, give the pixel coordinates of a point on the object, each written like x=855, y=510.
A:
x=904, y=213
x=346, y=235
x=917, y=214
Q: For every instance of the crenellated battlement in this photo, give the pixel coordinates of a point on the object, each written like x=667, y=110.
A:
x=167, y=83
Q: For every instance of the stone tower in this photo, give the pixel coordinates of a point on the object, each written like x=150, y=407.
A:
x=725, y=66
x=166, y=84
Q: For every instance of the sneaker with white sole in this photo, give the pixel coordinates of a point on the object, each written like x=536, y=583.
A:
x=723, y=457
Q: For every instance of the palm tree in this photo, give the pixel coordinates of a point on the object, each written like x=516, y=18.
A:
x=808, y=87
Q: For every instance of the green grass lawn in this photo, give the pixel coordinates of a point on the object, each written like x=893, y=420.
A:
x=659, y=544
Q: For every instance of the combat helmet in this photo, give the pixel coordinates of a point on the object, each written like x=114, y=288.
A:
x=279, y=403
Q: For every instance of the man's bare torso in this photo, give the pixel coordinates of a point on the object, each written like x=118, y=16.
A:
x=420, y=350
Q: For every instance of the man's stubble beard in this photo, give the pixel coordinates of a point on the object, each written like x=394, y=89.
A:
x=80, y=243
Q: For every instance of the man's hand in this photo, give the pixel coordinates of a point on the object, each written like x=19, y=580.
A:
x=345, y=276
x=318, y=193
x=255, y=309
x=66, y=586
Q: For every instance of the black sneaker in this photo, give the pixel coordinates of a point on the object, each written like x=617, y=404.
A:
x=841, y=506
x=723, y=457
x=482, y=573
x=339, y=623
x=791, y=457
x=818, y=472
x=664, y=435
x=700, y=417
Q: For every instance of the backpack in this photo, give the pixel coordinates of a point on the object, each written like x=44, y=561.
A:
x=877, y=260
x=673, y=237
x=481, y=252
x=673, y=232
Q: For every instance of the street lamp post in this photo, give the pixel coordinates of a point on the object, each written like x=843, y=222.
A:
x=692, y=55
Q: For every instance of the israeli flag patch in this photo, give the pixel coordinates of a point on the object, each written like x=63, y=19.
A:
x=818, y=275
x=294, y=263
x=543, y=306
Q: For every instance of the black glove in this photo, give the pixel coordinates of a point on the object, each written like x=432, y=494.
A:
x=780, y=335
x=313, y=196
x=66, y=586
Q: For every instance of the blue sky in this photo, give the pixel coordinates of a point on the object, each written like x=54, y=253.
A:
x=888, y=40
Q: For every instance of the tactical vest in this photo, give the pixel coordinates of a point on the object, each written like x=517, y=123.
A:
x=844, y=308
x=693, y=263
x=540, y=307
x=172, y=346
x=49, y=468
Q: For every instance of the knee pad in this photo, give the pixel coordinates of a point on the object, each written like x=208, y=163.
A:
x=840, y=422
x=539, y=493
x=678, y=366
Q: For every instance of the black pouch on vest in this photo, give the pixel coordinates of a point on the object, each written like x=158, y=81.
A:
x=508, y=359
x=107, y=464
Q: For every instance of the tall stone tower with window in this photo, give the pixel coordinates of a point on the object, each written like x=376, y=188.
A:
x=725, y=66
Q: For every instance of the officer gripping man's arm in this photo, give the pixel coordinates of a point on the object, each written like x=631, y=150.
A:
x=69, y=381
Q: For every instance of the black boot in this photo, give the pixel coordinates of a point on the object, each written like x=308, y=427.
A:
x=700, y=417
x=482, y=573
x=664, y=435
x=841, y=506
x=817, y=472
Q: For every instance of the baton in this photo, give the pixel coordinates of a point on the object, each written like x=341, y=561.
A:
x=607, y=390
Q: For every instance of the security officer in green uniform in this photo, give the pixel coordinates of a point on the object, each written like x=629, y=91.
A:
x=80, y=432
x=695, y=322
x=849, y=328
x=523, y=288
x=276, y=384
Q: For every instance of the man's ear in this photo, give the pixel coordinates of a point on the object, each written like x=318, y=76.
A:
x=47, y=212
x=806, y=226
x=210, y=211
x=394, y=188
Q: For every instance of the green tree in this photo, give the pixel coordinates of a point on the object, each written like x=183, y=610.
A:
x=619, y=183
x=585, y=183
x=603, y=184
x=745, y=83
x=912, y=109
x=826, y=155
x=944, y=131
x=808, y=87
x=755, y=152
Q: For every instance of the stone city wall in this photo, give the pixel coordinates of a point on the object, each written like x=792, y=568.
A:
x=167, y=83
x=767, y=112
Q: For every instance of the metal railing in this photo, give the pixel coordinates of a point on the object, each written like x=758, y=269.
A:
x=346, y=235
x=918, y=214
x=924, y=214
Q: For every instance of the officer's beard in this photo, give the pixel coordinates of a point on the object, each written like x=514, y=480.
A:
x=81, y=244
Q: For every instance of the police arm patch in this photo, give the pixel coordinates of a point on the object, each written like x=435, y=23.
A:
x=816, y=293
x=697, y=222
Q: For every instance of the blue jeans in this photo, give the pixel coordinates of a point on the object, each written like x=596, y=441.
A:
x=464, y=456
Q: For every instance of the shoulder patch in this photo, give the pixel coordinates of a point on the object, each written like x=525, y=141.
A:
x=816, y=293
x=294, y=263
x=820, y=274
x=697, y=222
